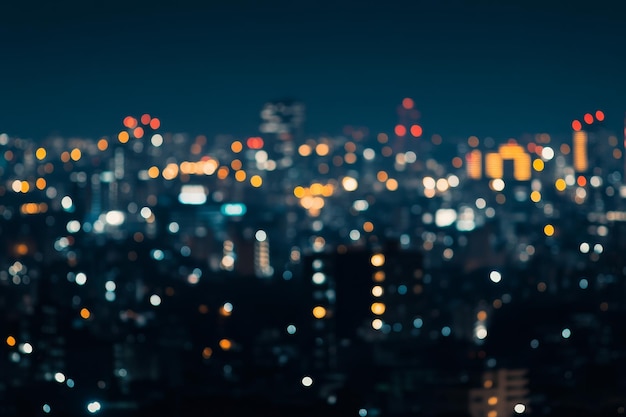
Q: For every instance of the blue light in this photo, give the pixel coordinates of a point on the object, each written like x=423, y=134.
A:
x=233, y=209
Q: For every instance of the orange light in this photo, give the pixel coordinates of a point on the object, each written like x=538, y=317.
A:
x=103, y=144
x=207, y=352
x=85, y=313
x=581, y=181
x=145, y=119
x=416, y=130
x=123, y=137
x=588, y=118
x=130, y=122
x=400, y=130
x=155, y=124
x=576, y=125
x=226, y=344
x=138, y=132
x=600, y=115
x=11, y=341
x=408, y=103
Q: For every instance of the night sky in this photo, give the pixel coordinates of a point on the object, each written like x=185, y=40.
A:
x=480, y=67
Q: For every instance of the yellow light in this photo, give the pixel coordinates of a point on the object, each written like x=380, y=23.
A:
x=328, y=190
x=256, y=181
x=226, y=344
x=85, y=313
x=319, y=312
x=535, y=196
x=492, y=400
x=40, y=183
x=378, y=308
x=298, y=192
x=40, y=153
x=538, y=165
x=377, y=259
x=316, y=188
x=24, y=186
x=75, y=154
x=153, y=172
x=123, y=136
x=548, y=230
x=11, y=341
x=103, y=144
x=240, y=176
x=560, y=184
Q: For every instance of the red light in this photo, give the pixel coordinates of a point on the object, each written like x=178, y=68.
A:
x=576, y=125
x=600, y=115
x=400, y=130
x=130, y=122
x=138, y=132
x=408, y=103
x=581, y=181
x=416, y=130
x=588, y=118
x=255, y=142
x=145, y=119
x=155, y=123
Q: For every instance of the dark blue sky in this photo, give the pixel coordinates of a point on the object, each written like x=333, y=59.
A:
x=481, y=67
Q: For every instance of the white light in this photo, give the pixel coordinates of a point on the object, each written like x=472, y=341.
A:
x=26, y=348
x=110, y=286
x=155, y=300
x=368, y=154
x=228, y=307
x=307, y=381
x=519, y=408
x=145, y=212
x=453, y=181
x=355, y=235
x=349, y=183
x=260, y=236
x=584, y=247
x=319, y=278
x=173, y=227
x=291, y=329
x=566, y=333
x=360, y=205
x=109, y=296
x=114, y=218
x=46, y=408
x=59, y=377
x=93, y=407
x=481, y=203
x=73, y=226
x=495, y=276
x=362, y=412
x=81, y=278
x=481, y=332
x=547, y=153
x=156, y=140
x=192, y=195
x=583, y=284
x=66, y=202
x=429, y=183
x=497, y=184
x=445, y=217
x=377, y=324
x=410, y=157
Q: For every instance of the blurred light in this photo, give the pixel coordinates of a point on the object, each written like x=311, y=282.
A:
x=548, y=230
x=319, y=278
x=519, y=408
x=192, y=195
x=291, y=329
x=26, y=348
x=408, y=103
x=377, y=324
x=566, y=333
x=85, y=313
x=307, y=381
x=94, y=407
x=260, y=236
x=377, y=259
x=233, y=209
x=81, y=278
x=155, y=300
x=59, y=377
x=378, y=308
x=349, y=183
x=495, y=276
x=576, y=125
x=11, y=341
x=319, y=312
x=600, y=115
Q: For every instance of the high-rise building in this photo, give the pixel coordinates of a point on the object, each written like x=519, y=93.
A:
x=503, y=394
x=282, y=123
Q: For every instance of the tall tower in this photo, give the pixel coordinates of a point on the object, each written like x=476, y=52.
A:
x=408, y=125
x=282, y=121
